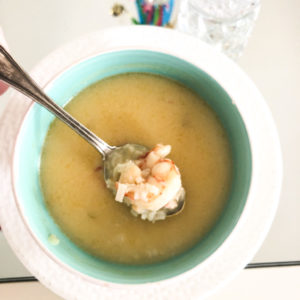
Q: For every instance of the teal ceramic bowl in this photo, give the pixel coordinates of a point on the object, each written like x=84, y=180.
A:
x=63, y=89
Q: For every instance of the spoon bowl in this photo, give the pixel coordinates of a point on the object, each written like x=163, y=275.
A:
x=121, y=155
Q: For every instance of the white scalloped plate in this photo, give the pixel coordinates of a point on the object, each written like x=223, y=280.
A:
x=263, y=198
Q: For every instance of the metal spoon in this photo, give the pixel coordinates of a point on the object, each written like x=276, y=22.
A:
x=12, y=73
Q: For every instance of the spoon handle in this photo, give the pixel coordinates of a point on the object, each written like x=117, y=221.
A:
x=12, y=73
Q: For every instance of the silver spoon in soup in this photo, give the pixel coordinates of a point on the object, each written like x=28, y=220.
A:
x=146, y=180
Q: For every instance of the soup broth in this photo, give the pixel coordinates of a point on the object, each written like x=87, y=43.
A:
x=144, y=109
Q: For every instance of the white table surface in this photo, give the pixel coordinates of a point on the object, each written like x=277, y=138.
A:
x=259, y=284
x=272, y=59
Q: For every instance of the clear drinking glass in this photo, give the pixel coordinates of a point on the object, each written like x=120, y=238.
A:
x=225, y=24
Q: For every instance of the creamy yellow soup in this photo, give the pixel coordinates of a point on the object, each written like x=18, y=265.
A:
x=144, y=109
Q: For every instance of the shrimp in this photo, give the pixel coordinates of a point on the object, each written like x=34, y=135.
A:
x=150, y=183
x=158, y=152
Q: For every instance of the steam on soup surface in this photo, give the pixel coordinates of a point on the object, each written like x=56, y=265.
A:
x=144, y=109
